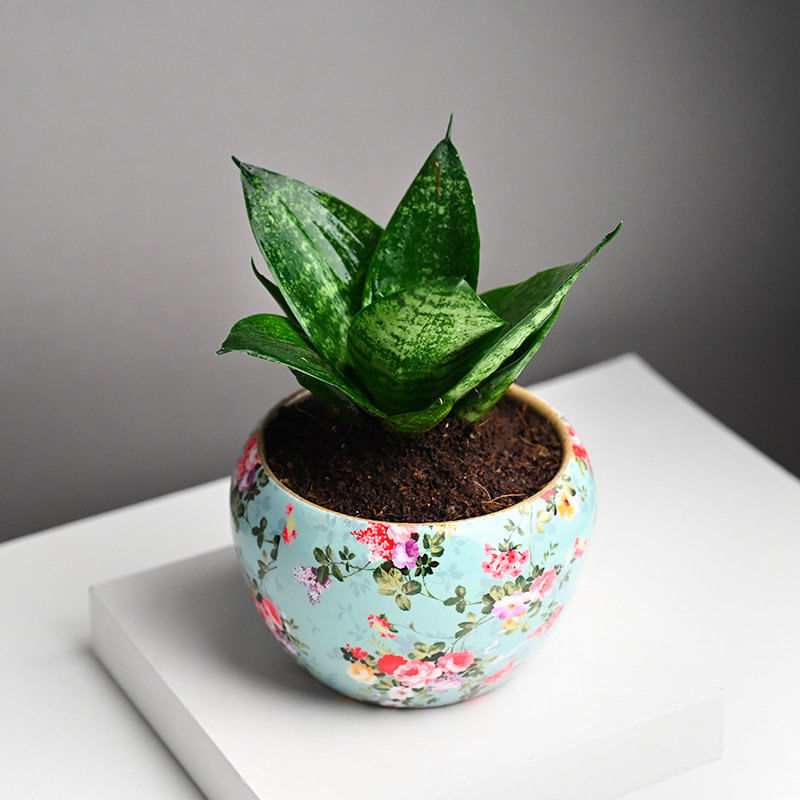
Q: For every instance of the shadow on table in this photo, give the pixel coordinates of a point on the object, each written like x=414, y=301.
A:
x=216, y=617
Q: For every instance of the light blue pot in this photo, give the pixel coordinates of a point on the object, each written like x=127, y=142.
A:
x=412, y=614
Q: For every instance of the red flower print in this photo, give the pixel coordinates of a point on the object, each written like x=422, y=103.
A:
x=577, y=445
x=376, y=538
x=416, y=673
x=357, y=652
x=389, y=663
x=381, y=625
x=502, y=564
x=289, y=533
x=579, y=548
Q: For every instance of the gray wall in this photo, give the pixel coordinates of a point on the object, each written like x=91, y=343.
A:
x=124, y=244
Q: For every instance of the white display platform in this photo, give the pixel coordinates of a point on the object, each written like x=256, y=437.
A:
x=600, y=711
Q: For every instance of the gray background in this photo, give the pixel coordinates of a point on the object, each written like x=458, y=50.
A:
x=124, y=243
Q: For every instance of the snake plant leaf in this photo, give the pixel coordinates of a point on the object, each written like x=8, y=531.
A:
x=274, y=291
x=432, y=234
x=318, y=249
x=410, y=346
x=275, y=338
x=531, y=301
x=327, y=393
x=527, y=307
x=412, y=422
x=478, y=401
x=330, y=395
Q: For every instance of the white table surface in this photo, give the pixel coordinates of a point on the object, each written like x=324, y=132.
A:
x=718, y=565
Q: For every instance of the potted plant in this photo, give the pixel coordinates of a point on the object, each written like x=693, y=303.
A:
x=383, y=579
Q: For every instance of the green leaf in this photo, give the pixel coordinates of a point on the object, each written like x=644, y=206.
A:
x=461, y=591
x=412, y=587
x=274, y=291
x=418, y=421
x=411, y=346
x=317, y=248
x=389, y=581
x=479, y=400
x=526, y=307
x=324, y=391
x=322, y=574
x=320, y=556
x=403, y=603
x=531, y=301
x=434, y=231
x=274, y=338
x=329, y=395
x=336, y=572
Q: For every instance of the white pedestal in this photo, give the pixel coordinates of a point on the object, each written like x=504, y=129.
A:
x=603, y=709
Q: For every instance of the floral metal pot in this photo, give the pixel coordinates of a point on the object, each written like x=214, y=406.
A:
x=412, y=614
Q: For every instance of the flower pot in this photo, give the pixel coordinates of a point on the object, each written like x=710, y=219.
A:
x=413, y=614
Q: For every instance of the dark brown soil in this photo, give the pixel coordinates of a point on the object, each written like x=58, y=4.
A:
x=454, y=471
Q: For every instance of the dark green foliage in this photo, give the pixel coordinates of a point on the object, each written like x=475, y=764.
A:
x=389, y=322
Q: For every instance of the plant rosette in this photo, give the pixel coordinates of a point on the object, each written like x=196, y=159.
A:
x=412, y=614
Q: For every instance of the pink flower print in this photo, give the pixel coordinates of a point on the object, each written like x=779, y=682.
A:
x=247, y=465
x=510, y=607
x=501, y=673
x=381, y=625
x=269, y=613
x=545, y=626
x=416, y=673
x=399, y=533
x=549, y=494
x=504, y=564
x=542, y=585
x=579, y=548
x=455, y=662
x=405, y=554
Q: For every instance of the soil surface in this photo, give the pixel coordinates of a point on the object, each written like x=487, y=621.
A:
x=454, y=471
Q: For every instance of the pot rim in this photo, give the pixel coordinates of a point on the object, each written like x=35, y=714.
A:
x=517, y=393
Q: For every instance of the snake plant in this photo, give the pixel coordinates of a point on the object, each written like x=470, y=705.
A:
x=389, y=321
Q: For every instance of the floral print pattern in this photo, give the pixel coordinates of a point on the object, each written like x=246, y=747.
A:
x=411, y=615
x=247, y=465
x=422, y=675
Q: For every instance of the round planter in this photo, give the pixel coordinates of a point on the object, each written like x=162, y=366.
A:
x=412, y=614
